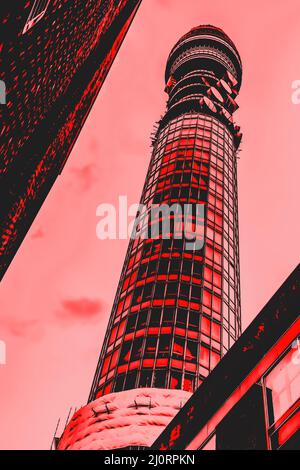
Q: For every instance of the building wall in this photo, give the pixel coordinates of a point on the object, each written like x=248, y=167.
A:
x=53, y=73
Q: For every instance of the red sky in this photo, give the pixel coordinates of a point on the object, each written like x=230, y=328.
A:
x=56, y=297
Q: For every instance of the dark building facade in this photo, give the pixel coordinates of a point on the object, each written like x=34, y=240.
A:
x=251, y=401
x=177, y=309
x=55, y=57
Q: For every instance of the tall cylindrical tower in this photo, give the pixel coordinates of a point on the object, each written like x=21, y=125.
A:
x=177, y=310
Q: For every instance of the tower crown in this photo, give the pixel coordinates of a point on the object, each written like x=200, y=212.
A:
x=203, y=72
x=205, y=47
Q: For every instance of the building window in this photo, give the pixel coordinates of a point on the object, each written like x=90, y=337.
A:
x=282, y=388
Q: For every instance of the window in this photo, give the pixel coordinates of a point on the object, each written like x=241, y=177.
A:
x=145, y=379
x=142, y=320
x=130, y=380
x=136, y=349
x=176, y=379
x=282, y=390
x=284, y=384
x=189, y=383
x=125, y=353
x=150, y=347
x=160, y=378
x=168, y=317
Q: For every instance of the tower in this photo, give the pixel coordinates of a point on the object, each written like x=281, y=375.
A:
x=176, y=310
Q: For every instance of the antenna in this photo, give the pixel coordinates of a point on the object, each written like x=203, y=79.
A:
x=54, y=440
x=67, y=420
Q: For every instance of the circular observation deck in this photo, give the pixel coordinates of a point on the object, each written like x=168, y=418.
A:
x=204, y=48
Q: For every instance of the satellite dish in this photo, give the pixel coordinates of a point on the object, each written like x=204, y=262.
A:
x=216, y=94
x=206, y=102
x=232, y=103
x=231, y=78
x=225, y=87
x=227, y=115
x=205, y=81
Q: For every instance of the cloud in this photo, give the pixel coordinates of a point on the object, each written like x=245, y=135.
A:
x=86, y=175
x=38, y=234
x=81, y=309
x=31, y=328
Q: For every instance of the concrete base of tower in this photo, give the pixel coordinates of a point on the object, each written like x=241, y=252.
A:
x=129, y=418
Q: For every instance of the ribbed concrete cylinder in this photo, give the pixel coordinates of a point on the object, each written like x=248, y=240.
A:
x=133, y=418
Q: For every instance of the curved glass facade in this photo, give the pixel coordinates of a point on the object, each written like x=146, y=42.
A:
x=178, y=311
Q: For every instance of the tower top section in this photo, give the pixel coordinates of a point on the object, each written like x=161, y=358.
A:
x=207, y=48
x=204, y=75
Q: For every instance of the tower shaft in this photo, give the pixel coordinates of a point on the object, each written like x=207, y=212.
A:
x=177, y=307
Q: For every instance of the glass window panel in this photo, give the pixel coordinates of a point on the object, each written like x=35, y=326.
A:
x=284, y=383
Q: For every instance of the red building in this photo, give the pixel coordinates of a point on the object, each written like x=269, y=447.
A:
x=56, y=55
x=177, y=310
